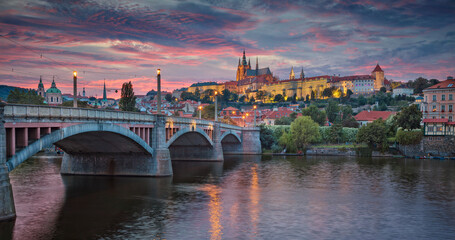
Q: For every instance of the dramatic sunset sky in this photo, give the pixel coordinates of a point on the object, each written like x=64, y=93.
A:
x=195, y=41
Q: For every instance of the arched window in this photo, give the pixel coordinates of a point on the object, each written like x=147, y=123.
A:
x=52, y=99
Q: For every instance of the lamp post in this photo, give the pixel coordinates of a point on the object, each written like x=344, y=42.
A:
x=75, y=89
x=254, y=109
x=158, y=80
x=216, y=106
x=200, y=111
x=243, y=120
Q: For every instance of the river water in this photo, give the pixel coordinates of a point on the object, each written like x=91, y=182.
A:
x=245, y=197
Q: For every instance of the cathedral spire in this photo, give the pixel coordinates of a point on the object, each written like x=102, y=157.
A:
x=239, y=61
x=302, y=74
x=257, y=65
x=53, y=82
x=249, y=63
x=292, y=75
x=244, y=58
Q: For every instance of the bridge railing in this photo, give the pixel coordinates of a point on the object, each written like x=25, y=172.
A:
x=38, y=111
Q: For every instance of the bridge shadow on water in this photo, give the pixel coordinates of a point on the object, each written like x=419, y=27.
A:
x=91, y=207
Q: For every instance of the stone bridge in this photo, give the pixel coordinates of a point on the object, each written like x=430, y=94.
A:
x=102, y=142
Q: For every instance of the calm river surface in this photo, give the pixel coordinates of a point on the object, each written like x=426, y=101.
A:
x=246, y=197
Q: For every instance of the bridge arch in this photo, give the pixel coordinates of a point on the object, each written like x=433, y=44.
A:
x=230, y=136
x=190, y=137
x=88, y=138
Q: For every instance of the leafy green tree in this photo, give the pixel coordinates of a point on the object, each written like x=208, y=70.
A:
x=336, y=133
x=242, y=99
x=188, y=96
x=260, y=95
x=307, y=98
x=315, y=114
x=284, y=121
x=313, y=95
x=347, y=112
x=327, y=92
x=22, y=96
x=304, y=131
x=362, y=100
x=279, y=98
x=252, y=100
x=383, y=89
x=226, y=95
x=234, y=97
x=128, y=100
x=350, y=122
x=406, y=137
x=208, y=112
x=409, y=117
x=197, y=93
x=267, y=137
x=374, y=134
x=332, y=110
x=349, y=93
x=168, y=97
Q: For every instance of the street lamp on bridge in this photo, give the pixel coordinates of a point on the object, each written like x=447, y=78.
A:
x=216, y=106
x=75, y=89
x=254, y=109
x=158, y=80
x=200, y=111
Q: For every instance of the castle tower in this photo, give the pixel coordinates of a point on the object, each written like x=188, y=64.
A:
x=257, y=66
x=378, y=76
x=292, y=75
x=302, y=74
x=40, y=90
x=242, y=68
x=83, y=92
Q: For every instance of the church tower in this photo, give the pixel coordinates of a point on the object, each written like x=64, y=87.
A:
x=83, y=92
x=242, y=68
x=302, y=74
x=378, y=76
x=292, y=75
x=40, y=90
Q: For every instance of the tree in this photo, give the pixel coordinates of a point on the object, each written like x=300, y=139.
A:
x=350, y=122
x=419, y=84
x=279, y=98
x=267, y=137
x=168, y=97
x=22, y=96
x=362, y=100
x=197, y=93
x=208, y=112
x=313, y=95
x=409, y=117
x=188, y=96
x=374, y=134
x=349, y=93
x=307, y=98
x=284, y=121
x=336, y=133
x=260, y=95
x=317, y=115
x=242, y=99
x=128, y=100
x=226, y=95
x=327, y=92
x=347, y=112
x=332, y=110
x=383, y=89
x=252, y=100
x=304, y=131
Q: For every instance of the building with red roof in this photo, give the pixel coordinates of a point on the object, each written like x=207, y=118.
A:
x=438, y=108
x=365, y=117
x=272, y=116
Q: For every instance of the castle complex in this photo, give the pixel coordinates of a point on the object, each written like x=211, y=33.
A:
x=249, y=81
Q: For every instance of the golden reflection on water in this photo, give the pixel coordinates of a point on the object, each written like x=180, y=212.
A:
x=254, y=199
x=215, y=211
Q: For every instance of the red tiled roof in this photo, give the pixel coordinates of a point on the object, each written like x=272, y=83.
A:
x=230, y=109
x=278, y=114
x=435, y=120
x=377, y=68
x=373, y=115
x=444, y=84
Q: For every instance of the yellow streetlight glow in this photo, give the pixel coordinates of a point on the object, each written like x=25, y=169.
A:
x=247, y=114
x=200, y=107
x=243, y=116
x=233, y=112
x=158, y=71
x=254, y=107
x=75, y=73
x=216, y=92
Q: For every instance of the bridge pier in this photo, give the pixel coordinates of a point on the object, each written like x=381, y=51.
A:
x=7, y=209
x=161, y=155
x=251, y=141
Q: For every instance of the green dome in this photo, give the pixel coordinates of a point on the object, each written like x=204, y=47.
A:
x=53, y=88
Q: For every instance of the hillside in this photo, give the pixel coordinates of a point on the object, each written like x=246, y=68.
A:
x=4, y=91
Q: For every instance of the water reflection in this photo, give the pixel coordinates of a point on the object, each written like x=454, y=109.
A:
x=243, y=197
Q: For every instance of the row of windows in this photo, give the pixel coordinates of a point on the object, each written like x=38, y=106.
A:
x=443, y=108
x=443, y=97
